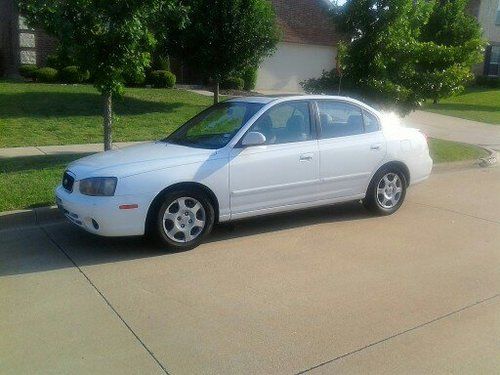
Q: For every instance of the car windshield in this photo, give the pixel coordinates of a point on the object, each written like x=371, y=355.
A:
x=216, y=126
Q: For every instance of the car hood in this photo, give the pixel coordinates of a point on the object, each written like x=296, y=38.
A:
x=138, y=159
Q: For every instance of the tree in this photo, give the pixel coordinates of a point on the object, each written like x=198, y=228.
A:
x=167, y=21
x=223, y=37
x=110, y=39
x=394, y=59
x=452, y=44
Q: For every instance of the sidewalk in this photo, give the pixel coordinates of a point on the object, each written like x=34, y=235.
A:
x=455, y=129
x=13, y=152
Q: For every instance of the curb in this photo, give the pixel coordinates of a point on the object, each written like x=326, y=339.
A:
x=485, y=162
x=490, y=160
x=33, y=217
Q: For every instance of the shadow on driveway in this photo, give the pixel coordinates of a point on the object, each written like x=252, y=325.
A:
x=28, y=250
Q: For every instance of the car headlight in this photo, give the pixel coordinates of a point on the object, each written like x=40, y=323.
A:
x=98, y=186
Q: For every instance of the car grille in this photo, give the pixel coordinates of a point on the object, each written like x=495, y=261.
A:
x=68, y=181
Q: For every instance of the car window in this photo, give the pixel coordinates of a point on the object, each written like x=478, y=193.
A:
x=216, y=126
x=221, y=120
x=286, y=122
x=339, y=119
x=371, y=122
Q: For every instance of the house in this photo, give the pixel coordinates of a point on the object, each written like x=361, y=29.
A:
x=308, y=45
x=20, y=44
x=488, y=14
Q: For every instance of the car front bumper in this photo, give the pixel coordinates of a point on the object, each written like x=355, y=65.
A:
x=102, y=215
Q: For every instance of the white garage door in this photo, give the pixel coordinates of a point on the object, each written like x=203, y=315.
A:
x=293, y=63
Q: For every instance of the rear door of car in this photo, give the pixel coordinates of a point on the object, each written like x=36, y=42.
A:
x=282, y=172
x=351, y=147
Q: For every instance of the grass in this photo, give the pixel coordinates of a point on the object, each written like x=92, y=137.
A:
x=446, y=151
x=34, y=114
x=28, y=182
x=475, y=104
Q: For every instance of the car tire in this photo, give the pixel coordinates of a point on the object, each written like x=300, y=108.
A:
x=183, y=219
x=386, y=192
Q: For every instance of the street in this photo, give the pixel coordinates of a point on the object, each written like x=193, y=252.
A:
x=321, y=291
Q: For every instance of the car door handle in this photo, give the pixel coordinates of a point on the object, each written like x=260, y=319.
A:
x=306, y=157
x=375, y=147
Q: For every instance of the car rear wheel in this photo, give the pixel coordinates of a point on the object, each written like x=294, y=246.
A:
x=184, y=219
x=386, y=192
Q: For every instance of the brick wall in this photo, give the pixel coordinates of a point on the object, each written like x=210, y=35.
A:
x=473, y=7
x=8, y=40
x=306, y=22
x=19, y=44
x=45, y=45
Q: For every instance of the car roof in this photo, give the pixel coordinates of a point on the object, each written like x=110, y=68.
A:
x=252, y=99
x=284, y=98
x=265, y=100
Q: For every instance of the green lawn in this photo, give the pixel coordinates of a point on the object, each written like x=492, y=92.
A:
x=445, y=151
x=27, y=182
x=475, y=104
x=34, y=114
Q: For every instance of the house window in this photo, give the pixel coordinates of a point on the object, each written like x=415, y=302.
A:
x=494, y=64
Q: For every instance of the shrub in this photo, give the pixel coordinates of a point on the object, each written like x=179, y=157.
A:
x=249, y=76
x=60, y=58
x=327, y=83
x=161, y=62
x=162, y=78
x=52, y=61
x=485, y=81
x=233, y=83
x=73, y=74
x=47, y=75
x=134, y=80
x=28, y=70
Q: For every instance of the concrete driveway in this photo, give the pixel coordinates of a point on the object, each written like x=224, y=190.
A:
x=330, y=290
x=455, y=129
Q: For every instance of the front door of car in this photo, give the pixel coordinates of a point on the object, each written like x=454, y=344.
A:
x=284, y=170
x=351, y=148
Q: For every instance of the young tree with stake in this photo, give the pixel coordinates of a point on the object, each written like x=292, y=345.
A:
x=110, y=39
x=223, y=37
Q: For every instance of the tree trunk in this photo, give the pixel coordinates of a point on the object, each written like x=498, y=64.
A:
x=216, y=92
x=435, y=101
x=108, y=120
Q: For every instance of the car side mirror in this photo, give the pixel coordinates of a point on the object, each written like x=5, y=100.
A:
x=253, y=139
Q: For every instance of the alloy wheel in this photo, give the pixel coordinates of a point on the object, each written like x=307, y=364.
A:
x=389, y=190
x=184, y=219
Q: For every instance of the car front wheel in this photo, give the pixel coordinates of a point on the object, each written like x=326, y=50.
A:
x=183, y=220
x=386, y=192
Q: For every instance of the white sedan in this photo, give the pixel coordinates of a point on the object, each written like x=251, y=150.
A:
x=242, y=158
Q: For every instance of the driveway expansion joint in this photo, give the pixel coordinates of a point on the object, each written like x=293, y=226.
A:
x=441, y=317
x=58, y=246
